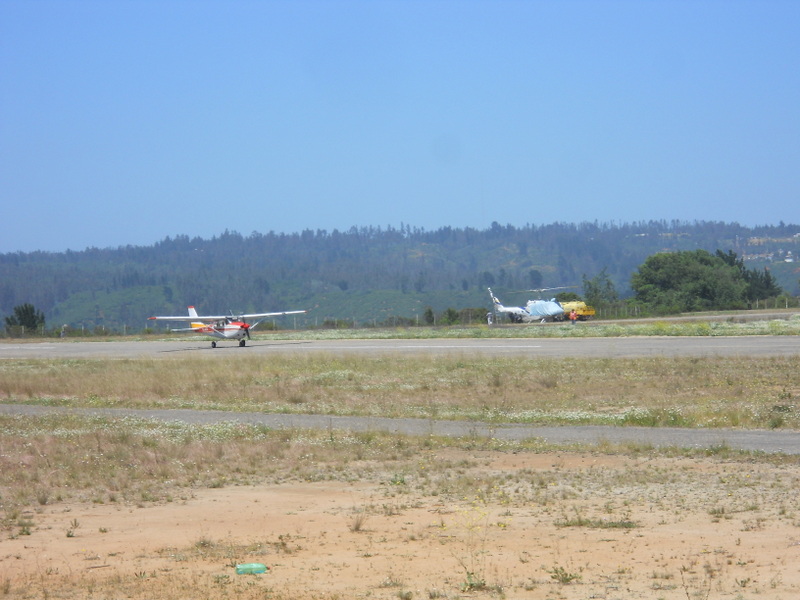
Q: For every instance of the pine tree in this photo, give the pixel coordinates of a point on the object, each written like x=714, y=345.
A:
x=25, y=317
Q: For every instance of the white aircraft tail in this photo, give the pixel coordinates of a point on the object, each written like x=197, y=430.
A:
x=194, y=315
x=495, y=301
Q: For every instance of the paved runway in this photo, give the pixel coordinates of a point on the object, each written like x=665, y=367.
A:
x=619, y=347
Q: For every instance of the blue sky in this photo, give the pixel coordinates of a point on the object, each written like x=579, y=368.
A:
x=125, y=122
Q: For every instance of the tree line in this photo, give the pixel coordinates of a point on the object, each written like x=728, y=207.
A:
x=666, y=283
x=365, y=274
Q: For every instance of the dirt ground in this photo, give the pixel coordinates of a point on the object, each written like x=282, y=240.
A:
x=537, y=526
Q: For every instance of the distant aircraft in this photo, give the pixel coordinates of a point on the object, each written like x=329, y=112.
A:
x=534, y=310
x=224, y=327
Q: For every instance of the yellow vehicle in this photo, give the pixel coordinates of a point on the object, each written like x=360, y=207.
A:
x=583, y=310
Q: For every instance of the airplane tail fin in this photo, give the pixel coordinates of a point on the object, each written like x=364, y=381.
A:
x=194, y=324
x=495, y=301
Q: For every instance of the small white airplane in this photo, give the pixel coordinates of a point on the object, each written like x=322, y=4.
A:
x=224, y=327
x=534, y=310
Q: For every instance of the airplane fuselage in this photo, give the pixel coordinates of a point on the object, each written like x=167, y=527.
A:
x=544, y=309
x=534, y=311
x=227, y=330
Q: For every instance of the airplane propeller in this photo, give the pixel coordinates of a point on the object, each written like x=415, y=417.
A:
x=245, y=324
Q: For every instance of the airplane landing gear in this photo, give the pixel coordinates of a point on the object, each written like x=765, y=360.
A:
x=213, y=344
x=241, y=343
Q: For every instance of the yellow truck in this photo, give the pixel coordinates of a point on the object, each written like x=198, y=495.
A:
x=583, y=310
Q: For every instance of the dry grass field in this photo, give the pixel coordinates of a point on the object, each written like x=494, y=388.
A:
x=99, y=508
x=651, y=391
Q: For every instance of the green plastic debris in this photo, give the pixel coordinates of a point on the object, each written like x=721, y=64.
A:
x=251, y=568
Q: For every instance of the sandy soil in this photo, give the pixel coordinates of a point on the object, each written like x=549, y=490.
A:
x=536, y=526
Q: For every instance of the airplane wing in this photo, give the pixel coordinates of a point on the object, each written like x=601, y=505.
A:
x=190, y=319
x=213, y=318
x=272, y=314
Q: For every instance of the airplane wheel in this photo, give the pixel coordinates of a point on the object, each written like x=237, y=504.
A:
x=241, y=343
x=213, y=344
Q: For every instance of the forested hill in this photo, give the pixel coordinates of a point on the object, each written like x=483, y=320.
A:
x=365, y=274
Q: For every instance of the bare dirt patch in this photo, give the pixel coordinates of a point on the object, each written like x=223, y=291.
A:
x=524, y=525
